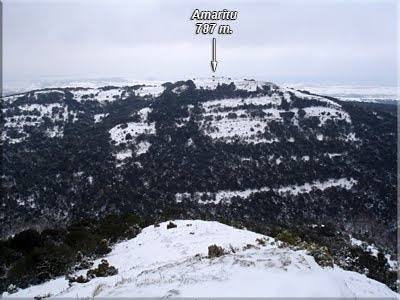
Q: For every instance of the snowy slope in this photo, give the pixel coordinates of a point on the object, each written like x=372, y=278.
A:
x=173, y=262
x=360, y=93
x=228, y=120
x=352, y=92
x=233, y=148
x=21, y=86
x=226, y=196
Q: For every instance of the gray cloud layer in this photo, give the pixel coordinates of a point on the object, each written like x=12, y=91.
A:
x=331, y=41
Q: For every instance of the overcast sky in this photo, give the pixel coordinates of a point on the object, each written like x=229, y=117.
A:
x=347, y=42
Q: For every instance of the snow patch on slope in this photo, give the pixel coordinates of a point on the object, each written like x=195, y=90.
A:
x=326, y=113
x=226, y=196
x=99, y=117
x=374, y=251
x=34, y=115
x=241, y=84
x=247, y=119
x=153, y=90
x=163, y=262
x=144, y=113
x=99, y=94
x=142, y=147
x=120, y=132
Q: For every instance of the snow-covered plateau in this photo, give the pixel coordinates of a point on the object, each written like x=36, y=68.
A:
x=350, y=92
x=174, y=262
x=359, y=93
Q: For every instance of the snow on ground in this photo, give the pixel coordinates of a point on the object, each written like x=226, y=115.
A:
x=124, y=154
x=19, y=86
x=226, y=196
x=217, y=122
x=10, y=99
x=355, y=242
x=374, y=251
x=326, y=113
x=55, y=131
x=47, y=91
x=127, y=133
x=308, y=187
x=230, y=119
x=153, y=90
x=241, y=84
x=221, y=196
x=237, y=102
x=180, y=89
x=121, y=156
x=98, y=94
x=300, y=94
x=163, y=262
x=245, y=129
x=42, y=108
x=142, y=147
x=237, y=124
x=351, y=92
x=99, y=117
x=332, y=155
x=34, y=115
x=119, y=132
x=351, y=137
x=344, y=92
x=28, y=201
x=144, y=113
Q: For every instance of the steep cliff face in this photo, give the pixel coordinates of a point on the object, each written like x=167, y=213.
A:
x=245, y=150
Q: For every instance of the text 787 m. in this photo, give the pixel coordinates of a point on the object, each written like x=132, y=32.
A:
x=208, y=28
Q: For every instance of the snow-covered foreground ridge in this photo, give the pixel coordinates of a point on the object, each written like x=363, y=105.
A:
x=163, y=262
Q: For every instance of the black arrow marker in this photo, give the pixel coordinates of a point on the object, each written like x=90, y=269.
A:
x=214, y=55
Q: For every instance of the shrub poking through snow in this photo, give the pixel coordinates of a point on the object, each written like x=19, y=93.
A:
x=215, y=251
x=82, y=262
x=249, y=246
x=288, y=238
x=44, y=296
x=78, y=279
x=320, y=254
x=261, y=241
x=12, y=289
x=102, y=270
x=171, y=225
x=103, y=248
x=132, y=231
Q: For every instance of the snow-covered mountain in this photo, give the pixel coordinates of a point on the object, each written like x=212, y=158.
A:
x=12, y=87
x=242, y=150
x=174, y=262
x=348, y=92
